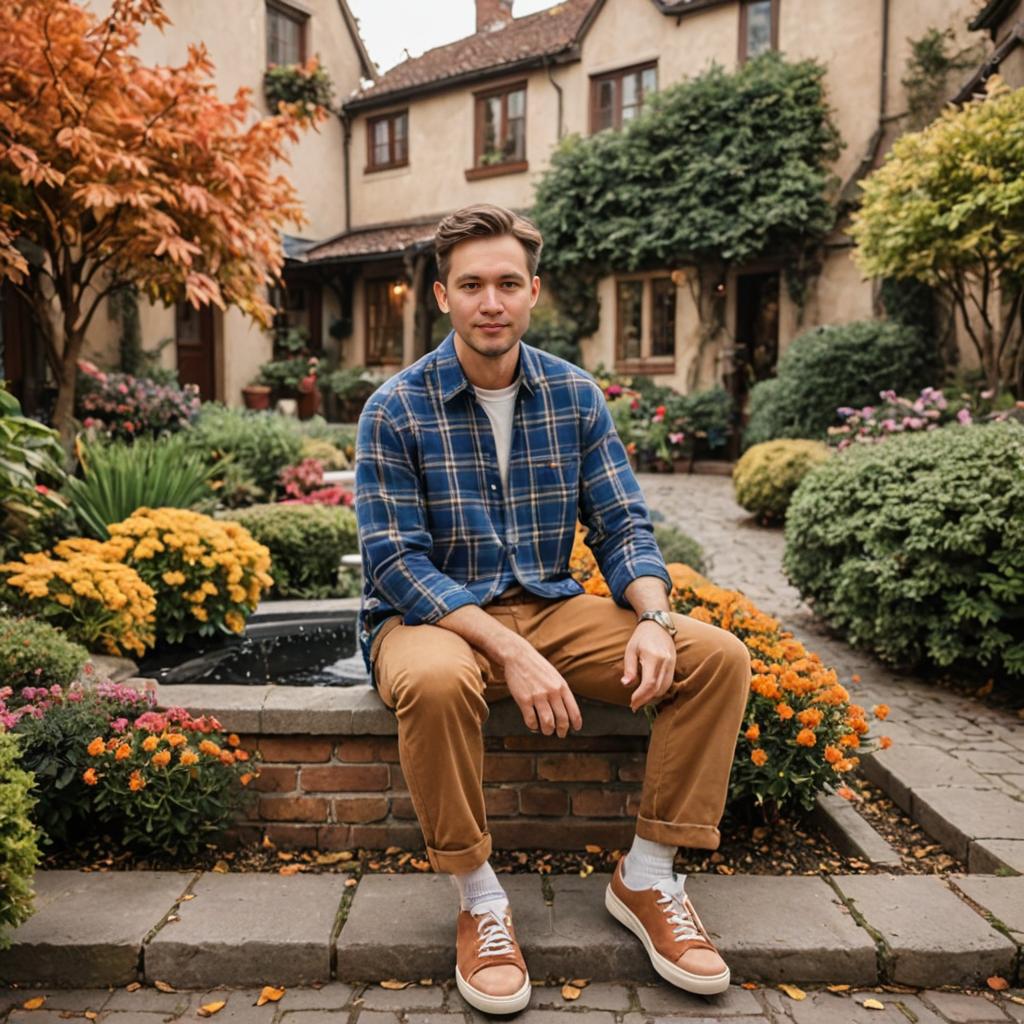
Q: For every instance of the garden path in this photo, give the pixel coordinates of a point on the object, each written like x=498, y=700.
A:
x=947, y=739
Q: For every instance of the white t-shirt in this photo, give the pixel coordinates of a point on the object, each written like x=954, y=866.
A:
x=500, y=407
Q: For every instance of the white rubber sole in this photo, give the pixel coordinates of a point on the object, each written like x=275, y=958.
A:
x=702, y=984
x=493, y=1004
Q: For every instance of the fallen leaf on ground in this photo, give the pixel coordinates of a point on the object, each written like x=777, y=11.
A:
x=591, y=848
x=90, y=1015
x=749, y=985
x=268, y=843
x=873, y=1004
x=580, y=982
x=391, y=850
x=269, y=994
x=221, y=867
x=34, y=1003
x=209, y=1009
x=133, y=986
x=290, y=869
x=283, y=855
x=420, y=865
x=793, y=992
x=426, y=982
x=349, y=882
x=587, y=869
x=996, y=983
x=838, y=988
x=1019, y=1000
x=189, y=896
x=570, y=992
x=394, y=984
x=333, y=858
x=164, y=986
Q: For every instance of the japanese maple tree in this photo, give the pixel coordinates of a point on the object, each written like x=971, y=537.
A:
x=115, y=173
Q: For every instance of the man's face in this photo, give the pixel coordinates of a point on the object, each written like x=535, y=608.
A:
x=489, y=293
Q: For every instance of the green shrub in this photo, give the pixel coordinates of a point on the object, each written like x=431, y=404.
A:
x=19, y=851
x=830, y=367
x=324, y=452
x=677, y=546
x=915, y=547
x=34, y=653
x=552, y=332
x=306, y=544
x=260, y=443
x=766, y=475
x=118, y=478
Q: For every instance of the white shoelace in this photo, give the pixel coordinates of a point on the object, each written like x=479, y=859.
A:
x=494, y=933
x=679, y=917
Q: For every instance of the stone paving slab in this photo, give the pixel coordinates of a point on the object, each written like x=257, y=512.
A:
x=1003, y=898
x=903, y=770
x=825, y=1007
x=852, y=834
x=959, y=817
x=245, y=929
x=88, y=927
x=931, y=936
x=992, y=856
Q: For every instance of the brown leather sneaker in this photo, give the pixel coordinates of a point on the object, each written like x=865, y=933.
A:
x=679, y=946
x=488, y=940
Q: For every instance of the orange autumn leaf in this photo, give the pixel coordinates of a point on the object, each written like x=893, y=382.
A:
x=34, y=1003
x=269, y=994
x=996, y=983
x=394, y=985
x=209, y=1009
x=570, y=992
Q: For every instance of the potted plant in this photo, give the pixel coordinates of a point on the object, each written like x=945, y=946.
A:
x=352, y=386
x=308, y=393
x=256, y=395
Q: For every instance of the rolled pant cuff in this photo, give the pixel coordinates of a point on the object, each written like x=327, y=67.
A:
x=457, y=862
x=699, y=837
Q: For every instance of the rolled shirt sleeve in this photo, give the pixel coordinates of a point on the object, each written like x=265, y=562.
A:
x=393, y=535
x=612, y=507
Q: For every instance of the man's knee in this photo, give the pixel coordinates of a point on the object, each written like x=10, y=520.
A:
x=436, y=672
x=720, y=651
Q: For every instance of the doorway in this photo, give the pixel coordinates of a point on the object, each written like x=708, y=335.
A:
x=756, y=348
x=195, y=343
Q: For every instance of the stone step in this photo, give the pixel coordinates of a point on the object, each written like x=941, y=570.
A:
x=205, y=929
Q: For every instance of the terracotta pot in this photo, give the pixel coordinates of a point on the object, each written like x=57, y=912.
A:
x=683, y=465
x=256, y=396
x=308, y=402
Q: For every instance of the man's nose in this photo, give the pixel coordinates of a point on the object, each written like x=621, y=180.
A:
x=490, y=299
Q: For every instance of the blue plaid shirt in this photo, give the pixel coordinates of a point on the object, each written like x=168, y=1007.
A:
x=436, y=528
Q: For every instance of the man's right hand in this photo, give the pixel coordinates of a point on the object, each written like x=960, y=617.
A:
x=543, y=696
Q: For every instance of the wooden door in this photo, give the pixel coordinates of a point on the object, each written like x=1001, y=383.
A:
x=194, y=340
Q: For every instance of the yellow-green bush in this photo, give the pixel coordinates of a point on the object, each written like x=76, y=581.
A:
x=767, y=474
x=324, y=451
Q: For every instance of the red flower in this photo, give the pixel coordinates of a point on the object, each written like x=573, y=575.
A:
x=42, y=489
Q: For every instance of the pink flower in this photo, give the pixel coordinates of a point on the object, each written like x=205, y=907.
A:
x=613, y=390
x=123, y=388
x=964, y=417
x=119, y=725
x=42, y=489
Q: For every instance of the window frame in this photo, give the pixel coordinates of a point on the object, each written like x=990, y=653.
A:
x=294, y=14
x=480, y=98
x=387, y=281
x=744, y=55
x=371, y=147
x=617, y=76
x=646, y=362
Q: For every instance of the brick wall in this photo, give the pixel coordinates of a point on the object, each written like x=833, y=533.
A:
x=344, y=792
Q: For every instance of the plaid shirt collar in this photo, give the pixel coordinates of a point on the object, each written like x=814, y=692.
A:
x=451, y=378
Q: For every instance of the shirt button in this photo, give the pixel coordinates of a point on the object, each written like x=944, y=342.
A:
x=494, y=487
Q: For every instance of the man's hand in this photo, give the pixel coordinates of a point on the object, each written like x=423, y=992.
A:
x=653, y=652
x=542, y=694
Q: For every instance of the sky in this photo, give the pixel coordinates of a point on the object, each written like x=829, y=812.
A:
x=389, y=27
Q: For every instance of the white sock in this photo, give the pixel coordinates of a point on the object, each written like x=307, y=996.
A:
x=647, y=864
x=480, y=890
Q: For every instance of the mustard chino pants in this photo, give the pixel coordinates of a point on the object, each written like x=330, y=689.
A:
x=440, y=689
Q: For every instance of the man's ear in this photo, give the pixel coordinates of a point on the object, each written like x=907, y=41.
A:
x=441, y=295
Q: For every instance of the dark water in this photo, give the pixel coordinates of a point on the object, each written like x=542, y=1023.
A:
x=292, y=653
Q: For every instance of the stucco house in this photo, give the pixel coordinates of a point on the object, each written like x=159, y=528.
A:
x=478, y=119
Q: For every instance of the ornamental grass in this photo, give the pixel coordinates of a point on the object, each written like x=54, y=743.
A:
x=97, y=600
x=208, y=574
x=801, y=730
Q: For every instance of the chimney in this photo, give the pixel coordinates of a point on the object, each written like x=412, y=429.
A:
x=492, y=14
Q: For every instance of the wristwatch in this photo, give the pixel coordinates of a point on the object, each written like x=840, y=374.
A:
x=662, y=618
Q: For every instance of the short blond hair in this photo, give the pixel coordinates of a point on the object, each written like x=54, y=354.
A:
x=485, y=220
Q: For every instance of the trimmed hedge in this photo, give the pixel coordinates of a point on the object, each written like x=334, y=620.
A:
x=766, y=475
x=832, y=366
x=677, y=546
x=19, y=849
x=306, y=544
x=34, y=653
x=915, y=547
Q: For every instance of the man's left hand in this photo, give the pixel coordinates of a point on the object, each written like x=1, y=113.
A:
x=651, y=658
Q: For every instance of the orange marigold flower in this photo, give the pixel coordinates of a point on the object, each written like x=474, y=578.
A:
x=701, y=614
x=246, y=779
x=845, y=792
x=113, y=742
x=123, y=751
x=884, y=742
x=90, y=777
x=161, y=758
x=833, y=754
x=189, y=756
x=209, y=747
x=784, y=710
x=150, y=743
x=176, y=739
x=880, y=710
x=850, y=739
x=226, y=757
x=753, y=732
x=233, y=740
x=810, y=717
x=855, y=678
x=858, y=725
x=241, y=755
x=843, y=766
x=806, y=738
x=136, y=782
x=758, y=756
x=96, y=747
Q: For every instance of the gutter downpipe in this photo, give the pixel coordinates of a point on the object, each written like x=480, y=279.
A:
x=346, y=127
x=558, y=89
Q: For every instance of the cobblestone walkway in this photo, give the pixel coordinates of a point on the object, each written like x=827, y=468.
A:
x=971, y=746
x=441, y=1004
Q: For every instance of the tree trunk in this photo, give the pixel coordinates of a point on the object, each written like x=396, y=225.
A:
x=63, y=413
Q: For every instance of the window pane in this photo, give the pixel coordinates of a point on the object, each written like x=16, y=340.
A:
x=630, y=296
x=284, y=37
x=649, y=80
x=384, y=321
x=492, y=126
x=663, y=326
x=759, y=27
x=517, y=103
x=630, y=90
x=401, y=126
x=515, y=144
x=604, y=115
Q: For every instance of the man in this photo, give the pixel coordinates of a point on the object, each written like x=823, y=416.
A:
x=472, y=467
